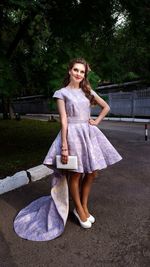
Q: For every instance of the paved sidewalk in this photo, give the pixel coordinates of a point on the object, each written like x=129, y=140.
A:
x=119, y=201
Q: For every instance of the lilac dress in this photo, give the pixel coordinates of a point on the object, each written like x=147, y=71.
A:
x=92, y=148
x=45, y=218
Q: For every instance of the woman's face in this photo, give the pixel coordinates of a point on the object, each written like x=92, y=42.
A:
x=77, y=73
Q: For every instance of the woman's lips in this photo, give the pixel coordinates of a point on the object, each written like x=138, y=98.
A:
x=78, y=78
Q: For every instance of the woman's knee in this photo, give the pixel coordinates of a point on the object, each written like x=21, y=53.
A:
x=94, y=174
x=74, y=177
x=91, y=176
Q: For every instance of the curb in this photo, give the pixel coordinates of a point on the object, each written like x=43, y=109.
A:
x=24, y=177
x=39, y=172
x=127, y=119
x=12, y=182
x=53, y=115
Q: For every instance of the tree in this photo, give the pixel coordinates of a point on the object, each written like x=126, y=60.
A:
x=39, y=37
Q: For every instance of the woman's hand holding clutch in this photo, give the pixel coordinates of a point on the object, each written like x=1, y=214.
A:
x=64, y=155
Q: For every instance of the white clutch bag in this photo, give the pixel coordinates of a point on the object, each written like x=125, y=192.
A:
x=72, y=163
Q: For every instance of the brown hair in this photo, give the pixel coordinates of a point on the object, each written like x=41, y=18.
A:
x=84, y=84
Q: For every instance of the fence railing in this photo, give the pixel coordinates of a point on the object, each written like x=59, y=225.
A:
x=134, y=103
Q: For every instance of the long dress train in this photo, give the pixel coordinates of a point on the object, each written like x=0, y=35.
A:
x=45, y=218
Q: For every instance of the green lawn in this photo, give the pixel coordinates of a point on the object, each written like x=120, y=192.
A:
x=24, y=144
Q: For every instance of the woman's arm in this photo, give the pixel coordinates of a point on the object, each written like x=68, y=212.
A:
x=105, y=109
x=64, y=127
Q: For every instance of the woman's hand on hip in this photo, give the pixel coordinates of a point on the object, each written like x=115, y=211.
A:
x=93, y=122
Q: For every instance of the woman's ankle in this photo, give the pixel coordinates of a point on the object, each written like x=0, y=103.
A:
x=86, y=211
x=81, y=213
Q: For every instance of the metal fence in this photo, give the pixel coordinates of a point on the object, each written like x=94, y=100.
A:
x=135, y=103
x=31, y=105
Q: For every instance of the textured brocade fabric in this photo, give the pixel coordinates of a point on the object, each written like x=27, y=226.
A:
x=45, y=218
x=93, y=149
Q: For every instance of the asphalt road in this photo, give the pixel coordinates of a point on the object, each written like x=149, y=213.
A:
x=120, y=201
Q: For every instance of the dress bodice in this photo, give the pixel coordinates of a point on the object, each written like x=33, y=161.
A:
x=76, y=103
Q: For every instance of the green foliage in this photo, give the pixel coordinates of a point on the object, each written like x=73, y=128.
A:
x=8, y=84
x=106, y=98
x=94, y=79
x=38, y=38
x=52, y=105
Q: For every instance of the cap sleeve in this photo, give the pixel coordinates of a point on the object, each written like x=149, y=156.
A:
x=94, y=93
x=59, y=94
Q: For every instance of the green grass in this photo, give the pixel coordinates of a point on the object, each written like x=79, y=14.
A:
x=24, y=144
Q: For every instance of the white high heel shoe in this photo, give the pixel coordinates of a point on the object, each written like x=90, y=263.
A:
x=86, y=224
x=91, y=218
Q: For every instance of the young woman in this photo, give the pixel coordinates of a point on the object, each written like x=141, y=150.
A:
x=45, y=218
x=80, y=136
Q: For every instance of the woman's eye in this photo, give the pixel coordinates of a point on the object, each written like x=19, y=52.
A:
x=76, y=70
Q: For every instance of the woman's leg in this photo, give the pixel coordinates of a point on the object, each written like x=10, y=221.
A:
x=74, y=181
x=85, y=190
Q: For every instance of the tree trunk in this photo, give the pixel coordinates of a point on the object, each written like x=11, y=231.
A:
x=11, y=109
x=4, y=108
x=7, y=108
x=20, y=33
